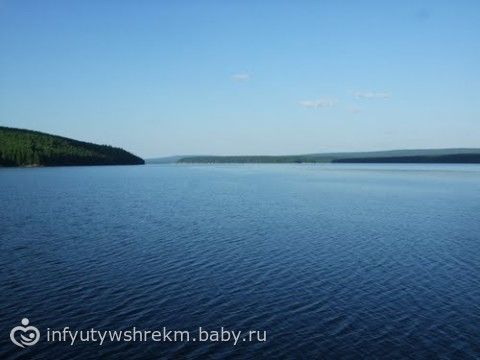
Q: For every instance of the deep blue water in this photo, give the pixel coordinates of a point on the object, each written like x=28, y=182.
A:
x=332, y=261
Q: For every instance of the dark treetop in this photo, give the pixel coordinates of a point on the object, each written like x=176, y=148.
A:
x=20, y=147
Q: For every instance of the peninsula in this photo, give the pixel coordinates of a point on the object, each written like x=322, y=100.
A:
x=19, y=147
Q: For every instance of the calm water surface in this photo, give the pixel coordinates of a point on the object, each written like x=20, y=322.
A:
x=332, y=261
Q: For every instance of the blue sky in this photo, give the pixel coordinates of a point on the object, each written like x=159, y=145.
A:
x=243, y=77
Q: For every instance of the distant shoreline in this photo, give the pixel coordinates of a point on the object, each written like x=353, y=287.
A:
x=421, y=156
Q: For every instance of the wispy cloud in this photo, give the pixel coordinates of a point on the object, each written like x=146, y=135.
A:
x=371, y=95
x=240, y=77
x=318, y=103
x=354, y=110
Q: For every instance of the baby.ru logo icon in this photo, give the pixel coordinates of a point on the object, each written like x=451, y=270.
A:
x=24, y=335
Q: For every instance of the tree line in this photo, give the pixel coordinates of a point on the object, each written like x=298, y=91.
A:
x=20, y=147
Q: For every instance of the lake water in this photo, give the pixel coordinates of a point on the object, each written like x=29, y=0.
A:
x=332, y=261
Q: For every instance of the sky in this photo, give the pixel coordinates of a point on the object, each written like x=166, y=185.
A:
x=162, y=78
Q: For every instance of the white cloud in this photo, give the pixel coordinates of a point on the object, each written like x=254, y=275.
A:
x=371, y=95
x=319, y=103
x=241, y=77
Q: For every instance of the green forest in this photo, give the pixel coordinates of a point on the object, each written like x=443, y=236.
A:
x=453, y=156
x=19, y=147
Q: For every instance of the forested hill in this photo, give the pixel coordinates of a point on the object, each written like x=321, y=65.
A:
x=20, y=147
